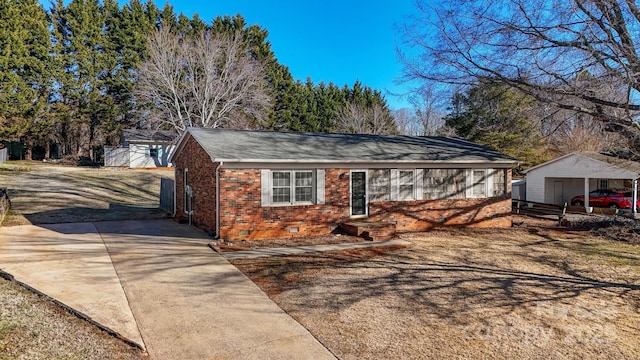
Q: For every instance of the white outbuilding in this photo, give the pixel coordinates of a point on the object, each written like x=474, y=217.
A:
x=578, y=173
x=141, y=149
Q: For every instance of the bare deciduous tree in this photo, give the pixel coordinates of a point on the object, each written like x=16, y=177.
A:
x=210, y=81
x=358, y=119
x=580, y=55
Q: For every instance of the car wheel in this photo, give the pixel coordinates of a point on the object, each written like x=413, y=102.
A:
x=614, y=206
x=578, y=203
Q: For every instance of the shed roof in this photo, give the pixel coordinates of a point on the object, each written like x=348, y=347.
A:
x=266, y=146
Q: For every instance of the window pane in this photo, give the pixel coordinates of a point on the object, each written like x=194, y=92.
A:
x=304, y=178
x=406, y=177
x=304, y=194
x=281, y=187
x=304, y=186
x=281, y=178
x=281, y=195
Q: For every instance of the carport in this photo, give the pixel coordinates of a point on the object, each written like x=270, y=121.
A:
x=558, y=180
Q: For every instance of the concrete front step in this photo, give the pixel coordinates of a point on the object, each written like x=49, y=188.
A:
x=374, y=231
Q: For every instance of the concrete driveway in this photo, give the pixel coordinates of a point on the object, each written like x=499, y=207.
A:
x=155, y=283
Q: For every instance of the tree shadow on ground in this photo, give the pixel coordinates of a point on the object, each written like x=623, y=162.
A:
x=452, y=289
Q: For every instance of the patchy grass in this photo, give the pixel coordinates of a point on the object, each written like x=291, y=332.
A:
x=493, y=294
x=45, y=193
x=33, y=328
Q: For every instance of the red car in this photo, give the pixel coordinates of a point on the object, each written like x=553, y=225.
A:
x=615, y=199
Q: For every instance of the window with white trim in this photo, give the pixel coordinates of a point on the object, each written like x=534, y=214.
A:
x=379, y=185
x=292, y=187
x=406, y=184
x=499, y=177
x=303, y=187
x=603, y=183
x=281, y=183
x=444, y=184
x=479, y=183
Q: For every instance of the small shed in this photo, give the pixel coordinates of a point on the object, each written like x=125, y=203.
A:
x=558, y=180
x=142, y=149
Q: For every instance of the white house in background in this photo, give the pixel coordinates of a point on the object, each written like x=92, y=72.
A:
x=141, y=149
x=558, y=180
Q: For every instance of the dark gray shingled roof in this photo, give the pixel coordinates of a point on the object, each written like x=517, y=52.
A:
x=266, y=146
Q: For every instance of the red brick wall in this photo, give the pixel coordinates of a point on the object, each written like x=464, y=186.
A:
x=201, y=177
x=426, y=214
x=243, y=217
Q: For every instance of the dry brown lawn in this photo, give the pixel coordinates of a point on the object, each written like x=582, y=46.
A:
x=31, y=327
x=528, y=293
x=43, y=193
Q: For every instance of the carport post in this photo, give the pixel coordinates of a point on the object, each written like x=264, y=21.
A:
x=586, y=194
x=635, y=197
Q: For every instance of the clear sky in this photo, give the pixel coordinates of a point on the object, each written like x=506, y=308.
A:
x=339, y=41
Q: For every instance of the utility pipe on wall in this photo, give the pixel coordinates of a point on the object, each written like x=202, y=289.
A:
x=634, y=206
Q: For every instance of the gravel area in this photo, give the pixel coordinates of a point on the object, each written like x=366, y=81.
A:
x=528, y=293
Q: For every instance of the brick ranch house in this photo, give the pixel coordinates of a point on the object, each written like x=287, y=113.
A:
x=255, y=185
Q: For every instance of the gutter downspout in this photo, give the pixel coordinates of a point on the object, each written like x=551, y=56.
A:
x=175, y=188
x=218, y=200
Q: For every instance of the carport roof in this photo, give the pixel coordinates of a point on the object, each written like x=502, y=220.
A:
x=610, y=159
x=267, y=146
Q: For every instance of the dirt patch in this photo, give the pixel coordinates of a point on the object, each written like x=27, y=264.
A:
x=44, y=194
x=527, y=293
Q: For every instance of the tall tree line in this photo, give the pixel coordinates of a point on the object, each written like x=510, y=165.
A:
x=69, y=76
x=565, y=73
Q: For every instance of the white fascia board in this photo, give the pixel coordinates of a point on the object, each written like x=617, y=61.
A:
x=179, y=145
x=296, y=164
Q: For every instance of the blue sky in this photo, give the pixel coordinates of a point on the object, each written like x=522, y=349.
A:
x=339, y=41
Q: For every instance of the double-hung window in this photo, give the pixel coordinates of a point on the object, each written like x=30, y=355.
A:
x=406, y=184
x=303, y=187
x=281, y=187
x=478, y=183
x=292, y=187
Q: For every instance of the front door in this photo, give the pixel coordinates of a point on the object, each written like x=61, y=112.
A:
x=358, y=193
